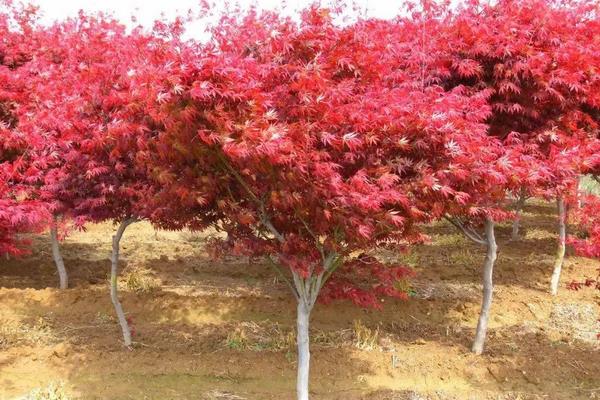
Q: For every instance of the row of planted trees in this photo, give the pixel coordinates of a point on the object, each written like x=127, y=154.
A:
x=310, y=142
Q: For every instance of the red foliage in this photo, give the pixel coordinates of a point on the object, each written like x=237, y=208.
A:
x=535, y=66
x=19, y=212
x=306, y=140
x=585, y=217
x=303, y=140
x=81, y=120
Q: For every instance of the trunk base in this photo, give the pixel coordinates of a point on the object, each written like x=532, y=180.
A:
x=58, y=259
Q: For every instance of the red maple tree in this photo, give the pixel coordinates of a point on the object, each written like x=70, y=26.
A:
x=19, y=211
x=318, y=143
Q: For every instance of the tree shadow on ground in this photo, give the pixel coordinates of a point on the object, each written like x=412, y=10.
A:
x=526, y=262
x=197, y=333
x=38, y=271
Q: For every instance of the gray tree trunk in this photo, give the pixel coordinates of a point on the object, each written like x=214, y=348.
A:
x=306, y=291
x=580, y=189
x=560, y=252
x=517, y=222
x=58, y=260
x=114, y=272
x=488, y=287
x=303, y=341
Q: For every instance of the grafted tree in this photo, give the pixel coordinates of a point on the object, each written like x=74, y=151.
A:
x=467, y=177
x=519, y=203
x=316, y=146
x=88, y=118
x=537, y=61
x=585, y=238
x=20, y=211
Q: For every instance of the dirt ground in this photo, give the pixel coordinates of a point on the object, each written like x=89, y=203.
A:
x=207, y=330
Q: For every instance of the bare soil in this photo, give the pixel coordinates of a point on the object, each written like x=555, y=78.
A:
x=224, y=330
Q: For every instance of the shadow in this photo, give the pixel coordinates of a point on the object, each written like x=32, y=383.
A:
x=540, y=364
x=218, y=329
x=520, y=361
x=37, y=270
x=527, y=262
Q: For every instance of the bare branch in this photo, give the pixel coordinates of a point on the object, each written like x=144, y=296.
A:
x=334, y=263
x=267, y=223
x=264, y=219
x=239, y=178
x=301, y=289
x=311, y=233
x=468, y=232
x=285, y=278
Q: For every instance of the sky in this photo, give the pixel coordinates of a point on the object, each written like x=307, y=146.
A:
x=147, y=11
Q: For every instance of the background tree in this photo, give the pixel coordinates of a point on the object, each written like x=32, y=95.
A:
x=89, y=124
x=535, y=59
x=19, y=209
x=317, y=146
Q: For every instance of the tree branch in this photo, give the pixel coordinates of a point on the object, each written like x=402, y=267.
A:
x=299, y=282
x=469, y=233
x=239, y=178
x=334, y=264
x=282, y=275
x=314, y=236
x=267, y=223
x=264, y=219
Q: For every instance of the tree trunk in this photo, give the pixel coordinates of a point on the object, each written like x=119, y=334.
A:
x=303, y=350
x=306, y=292
x=114, y=272
x=517, y=222
x=488, y=287
x=560, y=253
x=58, y=260
x=515, y=226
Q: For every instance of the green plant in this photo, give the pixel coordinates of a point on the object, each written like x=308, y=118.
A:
x=237, y=339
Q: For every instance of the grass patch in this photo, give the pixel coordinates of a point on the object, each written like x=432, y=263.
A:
x=539, y=234
x=364, y=338
x=464, y=257
x=192, y=236
x=14, y=333
x=453, y=239
x=103, y=318
x=410, y=258
x=220, y=395
x=260, y=337
x=141, y=280
x=266, y=336
x=54, y=391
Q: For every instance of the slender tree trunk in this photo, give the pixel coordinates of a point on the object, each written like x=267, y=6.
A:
x=58, y=260
x=114, y=272
x=515, y=226
x=580, y=190
x=560, y=252
x=303, y=341
x=488, y=287
x=306, y=292
x=517, y=222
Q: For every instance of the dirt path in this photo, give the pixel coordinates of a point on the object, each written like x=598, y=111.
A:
x=206, y=330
